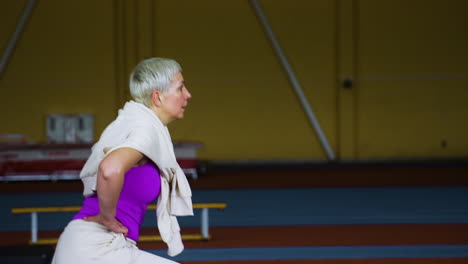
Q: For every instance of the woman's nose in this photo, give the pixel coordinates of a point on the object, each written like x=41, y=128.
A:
x=188, y=95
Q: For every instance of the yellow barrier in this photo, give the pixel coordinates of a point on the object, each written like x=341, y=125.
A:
x=193, y=237
x=204, y=235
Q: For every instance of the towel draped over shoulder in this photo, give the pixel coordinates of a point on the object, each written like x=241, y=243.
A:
x=138, y=127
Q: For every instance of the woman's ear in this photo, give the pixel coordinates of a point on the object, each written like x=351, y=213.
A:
x=156, y=97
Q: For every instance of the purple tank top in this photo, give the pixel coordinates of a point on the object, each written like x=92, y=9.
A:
x=141, y=186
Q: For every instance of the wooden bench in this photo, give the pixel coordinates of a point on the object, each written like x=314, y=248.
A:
x=204, y=234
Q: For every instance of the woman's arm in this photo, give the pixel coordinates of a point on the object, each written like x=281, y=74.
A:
x=109, y=185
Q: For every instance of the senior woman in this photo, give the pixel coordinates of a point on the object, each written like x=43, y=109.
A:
x=132, y=164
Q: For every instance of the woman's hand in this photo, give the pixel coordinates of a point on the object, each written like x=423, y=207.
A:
x=113, y=224
x=109, y=185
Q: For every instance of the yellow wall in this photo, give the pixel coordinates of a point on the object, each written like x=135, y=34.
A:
x=63, y=63
x=409, y=68
x=413, y=70
x=243, y=106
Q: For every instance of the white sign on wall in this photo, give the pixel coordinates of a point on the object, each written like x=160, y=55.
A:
x=70, y=128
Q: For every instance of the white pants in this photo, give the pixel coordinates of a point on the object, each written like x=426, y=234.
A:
x=85, y=242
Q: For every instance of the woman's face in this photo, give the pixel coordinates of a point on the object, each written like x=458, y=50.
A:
x=174, y=100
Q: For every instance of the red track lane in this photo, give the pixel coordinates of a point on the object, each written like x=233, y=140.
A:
x=339, y=235
x=303, y=178
x=279, y=236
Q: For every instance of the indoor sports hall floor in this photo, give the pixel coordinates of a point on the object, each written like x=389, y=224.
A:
x=404, y=214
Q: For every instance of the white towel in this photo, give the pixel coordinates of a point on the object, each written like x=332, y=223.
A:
x=138, y=127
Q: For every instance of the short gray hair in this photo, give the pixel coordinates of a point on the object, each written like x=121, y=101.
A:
x=150, y=75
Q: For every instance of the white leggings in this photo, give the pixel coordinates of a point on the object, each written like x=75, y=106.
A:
x=89, y=242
